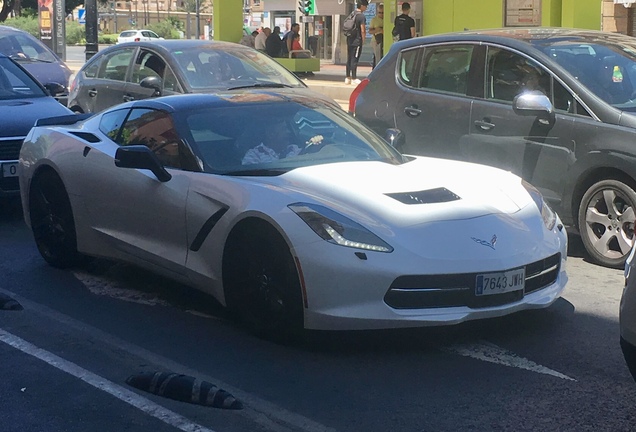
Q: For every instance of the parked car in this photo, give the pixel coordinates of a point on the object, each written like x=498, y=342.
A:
x=627, y=314
x=22, y=101
x=37, y=58
x=554, y=106
x=290, y=212
x=137, y=36
x=140, y=70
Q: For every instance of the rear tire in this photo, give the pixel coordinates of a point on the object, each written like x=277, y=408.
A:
x=606, y=222
x=52, y=221
x=261, y=282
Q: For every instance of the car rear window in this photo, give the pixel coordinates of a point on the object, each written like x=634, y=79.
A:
x=128, y=34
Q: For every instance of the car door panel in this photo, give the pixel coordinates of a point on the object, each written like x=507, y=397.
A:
x=434, y=110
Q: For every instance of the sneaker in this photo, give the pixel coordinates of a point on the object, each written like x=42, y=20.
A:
x=347, y=80
x=356, y=81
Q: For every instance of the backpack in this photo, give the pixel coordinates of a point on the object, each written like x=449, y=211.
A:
x=349, y=25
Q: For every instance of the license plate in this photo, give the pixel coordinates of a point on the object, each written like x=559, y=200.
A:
x=10, y=169
x=498, y=283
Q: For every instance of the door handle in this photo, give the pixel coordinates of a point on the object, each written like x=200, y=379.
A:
x=92, y=92
x=484, y=125
x=128, y=98
x=412, y=111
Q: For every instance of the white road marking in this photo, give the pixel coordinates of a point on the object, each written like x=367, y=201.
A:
x=489, y=352
x=270, y=416
x=125, y=395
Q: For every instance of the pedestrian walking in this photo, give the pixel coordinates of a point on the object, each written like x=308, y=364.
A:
x=376, y=28
x=355, y=40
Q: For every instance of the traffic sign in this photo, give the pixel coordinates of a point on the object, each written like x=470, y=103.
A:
x=81, y=16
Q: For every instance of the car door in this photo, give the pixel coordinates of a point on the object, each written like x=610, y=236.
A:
x=150, y=64
x=539, y=149
x=434, y=109
x=140, y=216
x=106, y=88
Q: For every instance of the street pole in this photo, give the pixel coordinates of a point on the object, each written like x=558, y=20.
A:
x=198, y=20
x=91, y=28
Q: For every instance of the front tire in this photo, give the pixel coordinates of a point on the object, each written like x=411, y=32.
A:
x=606, y=222
x=262, y=286
x=52, y=221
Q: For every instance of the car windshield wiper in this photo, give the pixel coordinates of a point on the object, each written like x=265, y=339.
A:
x=261, y=85
x=29, y=59
x=268, y=172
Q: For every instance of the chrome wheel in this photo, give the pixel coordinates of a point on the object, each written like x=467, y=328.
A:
x=606, y=221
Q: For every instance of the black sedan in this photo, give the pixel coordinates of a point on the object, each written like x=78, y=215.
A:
x=22, y=101
x=139, y=70
x=555, y=106
x=37, y=58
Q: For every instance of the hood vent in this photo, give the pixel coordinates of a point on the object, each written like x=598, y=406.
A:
x=431, y=196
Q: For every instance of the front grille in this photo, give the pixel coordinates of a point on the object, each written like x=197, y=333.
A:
x=10, y=148
x=452, y=290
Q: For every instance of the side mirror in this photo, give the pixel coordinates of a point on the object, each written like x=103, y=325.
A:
x=395, y=137
x=154, y=83
x=534, y=104
x=54, y=88
x=141, y=157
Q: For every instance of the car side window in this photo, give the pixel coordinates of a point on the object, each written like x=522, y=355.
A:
x=445, y=68
x=155, y=129
x=91, y=70
x=147, y=64
x=407, y=67
x=509, y=74
x=115, y=64
x=111, y=123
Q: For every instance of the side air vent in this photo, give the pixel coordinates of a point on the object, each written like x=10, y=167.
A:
x=86, y=136
x=431, y=196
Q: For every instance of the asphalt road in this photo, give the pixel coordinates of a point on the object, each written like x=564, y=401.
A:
x=67, y=354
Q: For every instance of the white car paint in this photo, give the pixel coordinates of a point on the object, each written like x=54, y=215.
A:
x=495, y=226
x=137, y=35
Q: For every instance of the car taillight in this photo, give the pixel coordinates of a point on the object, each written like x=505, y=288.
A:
x=355, y=93
x=137, y=39
x=73, y=82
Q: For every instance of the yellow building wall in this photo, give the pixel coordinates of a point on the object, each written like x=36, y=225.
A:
x=582, y=14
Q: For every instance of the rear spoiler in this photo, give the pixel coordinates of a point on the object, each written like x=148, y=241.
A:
x=64, y=120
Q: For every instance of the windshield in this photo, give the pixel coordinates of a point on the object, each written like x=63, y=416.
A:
x=270, y=139
x=22, y=47
x=15, y=84
x=606, y=69
x=209, y=67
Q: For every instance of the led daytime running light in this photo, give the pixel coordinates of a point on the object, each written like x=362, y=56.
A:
x=344, y=242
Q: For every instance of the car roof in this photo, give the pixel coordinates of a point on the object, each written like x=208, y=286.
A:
x=177, y=44
x=524, y=36
x=189, y=101
x=8, y=30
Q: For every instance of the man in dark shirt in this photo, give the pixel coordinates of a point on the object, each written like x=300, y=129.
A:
x=354, y=43
x=273, y=43
x=290, y=35
x=404, y=24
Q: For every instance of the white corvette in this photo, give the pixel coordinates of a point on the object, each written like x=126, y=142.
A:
x=291, y=213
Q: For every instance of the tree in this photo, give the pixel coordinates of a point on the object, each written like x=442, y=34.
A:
x=33, y=4
x=7, y=7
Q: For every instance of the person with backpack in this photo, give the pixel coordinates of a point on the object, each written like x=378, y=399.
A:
x=356, y=35
x=404, y=25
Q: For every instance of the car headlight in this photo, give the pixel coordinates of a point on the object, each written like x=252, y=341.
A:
x=547, y=214
x=338, y=229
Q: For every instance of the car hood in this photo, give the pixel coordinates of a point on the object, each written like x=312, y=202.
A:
x=19, y=115
x=48, y=72
x=420, y=191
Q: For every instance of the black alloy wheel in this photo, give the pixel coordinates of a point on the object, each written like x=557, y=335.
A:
x=606, y=222
x=262, y=286
x=52, y=221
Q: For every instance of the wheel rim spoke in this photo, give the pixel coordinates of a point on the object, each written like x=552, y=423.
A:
x=593, y=216
x=609, y=196
x=624, y=242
